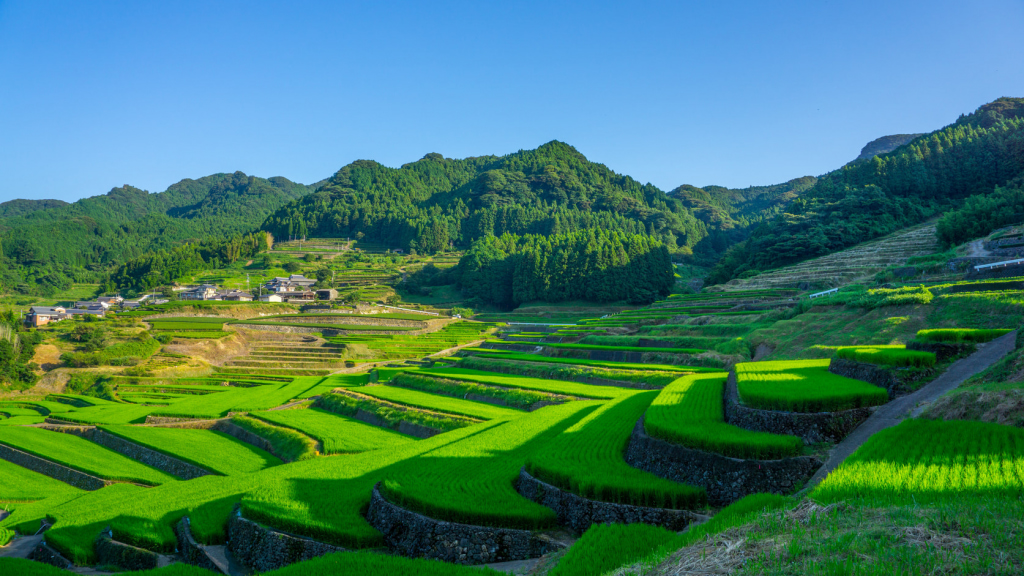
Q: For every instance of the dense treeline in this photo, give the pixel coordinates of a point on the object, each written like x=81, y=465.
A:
x=980, y=215
x=45, y=246
x=439, y=202
x=163, y=267
x=872, y=198
x=17, y=348
x=594, y=265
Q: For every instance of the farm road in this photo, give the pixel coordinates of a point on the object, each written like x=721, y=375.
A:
x=896, y=411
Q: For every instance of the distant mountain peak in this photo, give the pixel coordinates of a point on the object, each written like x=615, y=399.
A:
x=884, y=145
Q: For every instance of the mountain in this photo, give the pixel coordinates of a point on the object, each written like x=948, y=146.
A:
x=884, y=145
x=929, y=175
x=436, y=202
x=20, y=207
x=48, y=248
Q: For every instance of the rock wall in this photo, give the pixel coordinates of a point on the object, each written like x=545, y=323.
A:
x=148, y=456
x=190, y=550
x=896, y=381
x=231, y=429
x=113, y=553
x=725, y=479
x=52, y=469
x=43, y=553
x=810, y=427
x=578, y=513
x=417, y=536
x=263, y=549
x=943, y=351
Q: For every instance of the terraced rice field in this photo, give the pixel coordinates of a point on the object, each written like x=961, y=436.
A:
x=850, y=265
x=927, y=461
x=81, y=455
x=803, y=386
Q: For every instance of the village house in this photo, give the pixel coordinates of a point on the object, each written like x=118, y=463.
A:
x=203, y=292
x=42, y=315
x=271, y=298
x=327, y=294
x=293, y=283
x=234, y=296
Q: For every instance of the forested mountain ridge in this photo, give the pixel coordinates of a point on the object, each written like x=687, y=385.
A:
x=436, y=202
x=20, y=207
x=864, y=200
x=48, y=249
x=884, y=145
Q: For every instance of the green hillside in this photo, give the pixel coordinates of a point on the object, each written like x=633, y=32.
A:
x=435, y=202
x=47, y=245
x=864, y=200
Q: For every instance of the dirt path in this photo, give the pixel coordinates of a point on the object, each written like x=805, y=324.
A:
x=896, y=411
x=977, y=248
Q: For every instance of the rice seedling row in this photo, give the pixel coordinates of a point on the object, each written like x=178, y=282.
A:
x=803, y=386
x=80, y=454
x=336, y=433
x=689, y=412
x=587, y=459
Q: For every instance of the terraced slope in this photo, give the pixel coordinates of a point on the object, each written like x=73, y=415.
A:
x=850, y=265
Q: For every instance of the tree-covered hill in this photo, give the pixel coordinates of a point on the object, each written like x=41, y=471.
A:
x=884, y=145
x=20, y=207
x=863, y=200
x=435, y=202
x=48, y=248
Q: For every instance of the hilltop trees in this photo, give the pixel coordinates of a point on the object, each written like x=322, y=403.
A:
x=864, y=200
x=594, y=265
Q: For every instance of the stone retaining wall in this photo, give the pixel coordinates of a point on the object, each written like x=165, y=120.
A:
x=231, y=429
x=113, y=553
x=51, y=469
x=579, y=513
x=148, y=456
x=263, y=549
x=328, y=331
x=417, y=536
x=369, y=321
x=579, y=378
x=896, y=381
x=43, y=553
x=811, y=427
x=725, y=479
x=190, y=550
x=943, y=350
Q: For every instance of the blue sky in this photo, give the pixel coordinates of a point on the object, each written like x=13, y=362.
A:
x=98, y=94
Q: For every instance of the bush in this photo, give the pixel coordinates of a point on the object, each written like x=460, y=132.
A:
x=887, y=356
x=289, y=445
x=960, y=334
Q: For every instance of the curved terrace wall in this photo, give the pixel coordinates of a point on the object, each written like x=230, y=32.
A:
x=896, y=381
x=579, y=513
x=725, y=479
x=418, y=536
x=52, y=469
x=811, y=427
x=263, y=549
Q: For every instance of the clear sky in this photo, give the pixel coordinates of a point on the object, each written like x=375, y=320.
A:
x=98, y=94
